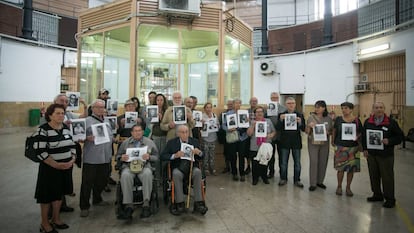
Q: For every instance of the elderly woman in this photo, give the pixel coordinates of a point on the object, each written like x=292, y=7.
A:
x=259, y=170
x=54, y=179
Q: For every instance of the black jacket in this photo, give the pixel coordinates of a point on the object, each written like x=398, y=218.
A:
x=290, y=139
x=390, y=130
x=173, y=146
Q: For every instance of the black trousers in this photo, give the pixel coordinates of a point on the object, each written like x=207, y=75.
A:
x=94, y=179
x=258, y=170
x=237, y=150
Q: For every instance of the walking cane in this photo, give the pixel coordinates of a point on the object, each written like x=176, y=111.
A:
x=189, y=182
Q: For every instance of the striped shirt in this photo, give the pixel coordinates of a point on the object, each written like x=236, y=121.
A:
x=55, y=143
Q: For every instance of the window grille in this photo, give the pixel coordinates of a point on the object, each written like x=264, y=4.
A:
x=45, y=27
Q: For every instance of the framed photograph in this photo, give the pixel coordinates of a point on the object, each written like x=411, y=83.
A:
x=111, y=121
x=136, y=153
x=130, y=119
x=204, y=129
x=261, y=129
x=112, y=107
x=348, y=132
x=73, y=101
x=213, y=125
x=78, y=129
x=319, y=133
x=290, y=121
x=374, y=139
x=243, y=116
x=198, y=116
x=179, y=116
x=101, y=133
x=188, y=151
x=152, y=113
x=272, y=109
x=231, y=120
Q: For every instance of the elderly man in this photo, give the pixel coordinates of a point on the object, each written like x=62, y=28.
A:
x=137, y=140
x=274, y=97
x=167, y=123
x=290, y=140
x=181, y=169
x=380, y=157
x=96, y=159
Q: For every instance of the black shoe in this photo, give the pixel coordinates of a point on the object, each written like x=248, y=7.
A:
x=128, y=213
x=66, y=209
x=107, y=189
x=60, y=226
x=322, y=186
x=255, y=181
x=235, y=178
x=375, y=199
x=200, y=207
x=42, y=229
x=111, y=181
x=174, y=210
x=242, y=178
x=181, y=207
x=266, y=181
x=389, y=204
x=299, y=184
x=225, y=170
x=247, y=171
x=271, y=175
x=146, y=212
x=312, y=188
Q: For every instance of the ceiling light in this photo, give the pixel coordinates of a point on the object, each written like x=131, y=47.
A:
x=374, y=49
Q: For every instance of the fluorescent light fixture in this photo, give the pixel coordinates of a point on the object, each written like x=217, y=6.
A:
x=86, y=54
x=375, y=49
x=83, y=80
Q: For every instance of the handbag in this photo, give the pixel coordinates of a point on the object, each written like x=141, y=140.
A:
x=232, y=137
x=136, y=166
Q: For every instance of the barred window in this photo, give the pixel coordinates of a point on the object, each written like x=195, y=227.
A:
x=45, y=27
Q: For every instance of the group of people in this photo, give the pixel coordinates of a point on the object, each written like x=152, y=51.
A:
x=162, y=140
x=345, y=133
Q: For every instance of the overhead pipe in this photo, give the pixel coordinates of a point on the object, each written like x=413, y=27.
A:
x=27, y=20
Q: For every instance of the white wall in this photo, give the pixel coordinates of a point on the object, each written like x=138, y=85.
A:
x=28, y=73
x=329, y=75
x=402, y=42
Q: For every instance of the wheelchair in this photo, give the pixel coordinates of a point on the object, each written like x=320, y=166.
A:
x=168, y=185
x=137, y=193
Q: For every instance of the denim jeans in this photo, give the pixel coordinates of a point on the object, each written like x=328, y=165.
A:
x=284, y=166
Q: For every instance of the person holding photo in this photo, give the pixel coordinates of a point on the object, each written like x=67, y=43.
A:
x=209, y=142
x=381, y=161
x=290, y=140
x=346, y=157
x=318, y=150
x=238, y=148
x=158, y=135
x=259, y=170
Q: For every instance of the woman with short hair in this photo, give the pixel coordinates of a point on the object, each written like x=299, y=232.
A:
x=54, y=180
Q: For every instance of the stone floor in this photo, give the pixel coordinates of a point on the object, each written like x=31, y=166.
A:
x=233, y=206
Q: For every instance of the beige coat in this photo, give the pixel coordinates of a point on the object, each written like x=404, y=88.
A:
x=168, y=117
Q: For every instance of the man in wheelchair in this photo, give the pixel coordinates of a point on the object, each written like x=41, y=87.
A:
x=132, y=162
x=181, y=168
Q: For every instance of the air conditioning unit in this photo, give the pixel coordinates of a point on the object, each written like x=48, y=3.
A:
x=363, y=78
x=267, y=67
x=69, y=59
x=180, y=7
x=361, y=87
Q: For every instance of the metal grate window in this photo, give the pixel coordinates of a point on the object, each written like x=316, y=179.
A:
x=45, y=27
x=406, y=10
x=376, y=17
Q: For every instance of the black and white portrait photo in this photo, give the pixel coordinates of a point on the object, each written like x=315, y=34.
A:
x=187, y=149
x=152, y=113
x=112, y=107
x=111, y=121
x=348, y=131
x=272, y=109
x=78, y=129
x=243, y=116
x=231, y=120
x=179, y=115
x=136, y=153
x=100, y=132
x=290, y=121
x=73, y=101
x=261, y=129
x=197, y=115
x=130, y=119
x=374, y=139
x=319, y=133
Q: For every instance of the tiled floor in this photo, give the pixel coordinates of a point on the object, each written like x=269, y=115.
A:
x=233, y=206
